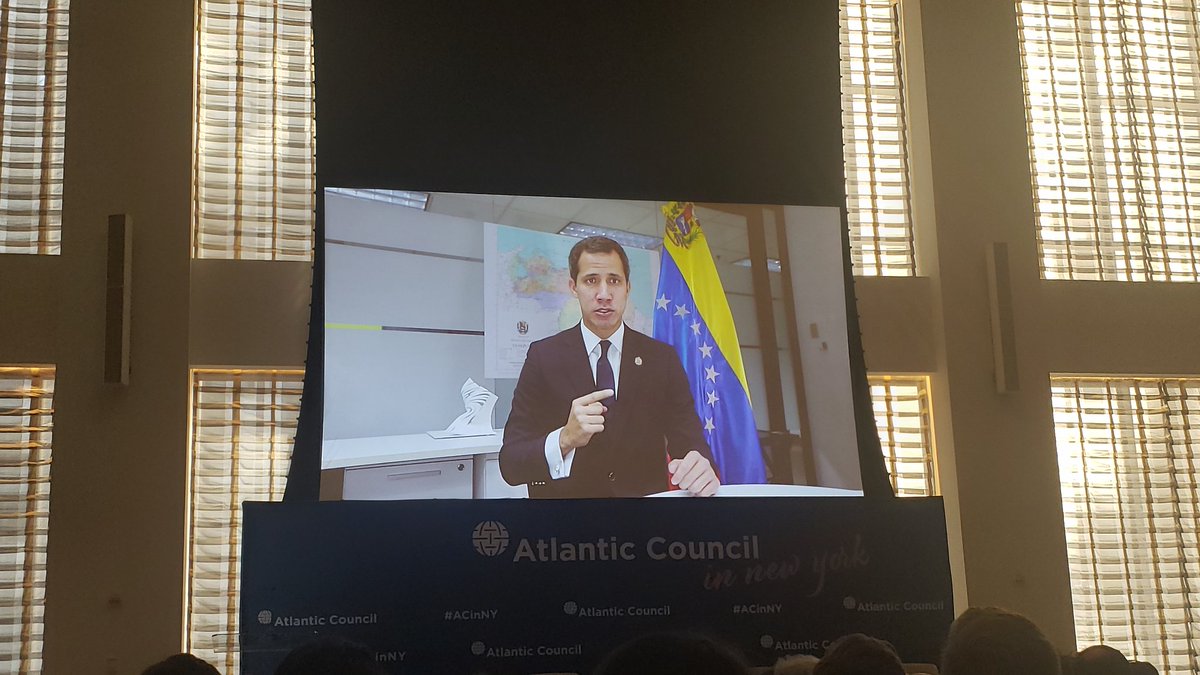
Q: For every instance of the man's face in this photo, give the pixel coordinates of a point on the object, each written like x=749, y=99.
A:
x=602, y=290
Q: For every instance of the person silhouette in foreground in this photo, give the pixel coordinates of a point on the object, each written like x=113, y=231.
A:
x=182, y=664
x=858, y=654
x=672, y=654
x=994, y=641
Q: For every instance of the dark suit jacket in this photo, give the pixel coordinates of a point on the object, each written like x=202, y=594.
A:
x=654, y=415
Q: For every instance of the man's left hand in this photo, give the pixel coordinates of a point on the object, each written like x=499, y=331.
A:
x=695, y=474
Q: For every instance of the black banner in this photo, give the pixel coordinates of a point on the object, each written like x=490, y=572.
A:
x=517, y=586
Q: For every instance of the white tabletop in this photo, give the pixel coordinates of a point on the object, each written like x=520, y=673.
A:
x=771, y=491
x=344, y=453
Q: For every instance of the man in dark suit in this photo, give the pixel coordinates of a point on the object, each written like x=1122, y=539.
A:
x=599, y=407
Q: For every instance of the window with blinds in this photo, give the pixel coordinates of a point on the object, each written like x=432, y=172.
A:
x=254, y=169
x=33, y=57
x=1113, y=109
x=904, y=423
x=1128, y=452
x=243, y=423
x=26, y=437
x=875, y=139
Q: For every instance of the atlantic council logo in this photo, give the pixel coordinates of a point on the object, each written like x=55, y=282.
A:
x=490, y=538
x=265, y=617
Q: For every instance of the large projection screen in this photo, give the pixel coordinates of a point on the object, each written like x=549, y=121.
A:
x=426, y=292
x=621, y=101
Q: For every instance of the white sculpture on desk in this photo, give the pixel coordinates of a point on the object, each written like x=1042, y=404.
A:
x=477, y=420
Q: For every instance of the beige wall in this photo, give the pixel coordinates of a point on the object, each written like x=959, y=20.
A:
x=117, y=529
x=115, y=559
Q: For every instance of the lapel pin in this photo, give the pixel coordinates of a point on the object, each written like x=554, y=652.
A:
x=637, y=360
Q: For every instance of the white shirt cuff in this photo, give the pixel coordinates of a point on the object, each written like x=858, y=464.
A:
x=560, y=467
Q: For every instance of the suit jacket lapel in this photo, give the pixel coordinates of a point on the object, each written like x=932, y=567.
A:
x=579, y=368
x=631, y=387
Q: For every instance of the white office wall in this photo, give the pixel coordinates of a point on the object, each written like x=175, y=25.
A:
x=816, y=259
x=407, y=271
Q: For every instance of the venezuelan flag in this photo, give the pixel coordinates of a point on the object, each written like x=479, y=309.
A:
x=692, y=315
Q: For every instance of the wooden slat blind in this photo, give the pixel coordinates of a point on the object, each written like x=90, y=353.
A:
x=1113, y=109
x=904, y=423
x=254, y=180
x=243, y=423
x=26, y=437
x=874, y=130
x=1129, y=464
x=33, y=93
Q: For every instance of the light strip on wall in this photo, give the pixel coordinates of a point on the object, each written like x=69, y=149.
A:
x=416, y=200
x=622, y=237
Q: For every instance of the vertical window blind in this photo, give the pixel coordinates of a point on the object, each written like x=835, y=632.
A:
x=254, y=182
x=26, y=437
x=1128, y=452
x=1113, y=110
x=874, y=133
x=33, y=93
x=243, y=423
x=904, y=423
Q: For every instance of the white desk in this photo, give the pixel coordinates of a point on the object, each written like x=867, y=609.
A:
x=418, y=466
x=347, y=453
x=771, y=491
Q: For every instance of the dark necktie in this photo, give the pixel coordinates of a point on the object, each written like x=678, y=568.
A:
x=604, y=373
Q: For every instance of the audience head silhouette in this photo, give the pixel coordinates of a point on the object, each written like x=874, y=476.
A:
x=799, y=664
x=992, y=641
x=672, y=654
x=1101, y=660
x=858, y=654
x=330, y=656
x=181, y=664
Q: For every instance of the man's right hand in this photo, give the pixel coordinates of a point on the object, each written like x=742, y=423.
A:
x=586, y=419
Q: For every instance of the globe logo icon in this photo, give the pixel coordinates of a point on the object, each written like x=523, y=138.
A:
x=766, y=641
x=478, y=648
x=264, y=617
x=569, y=607
x=490, y=538
x=849, y=602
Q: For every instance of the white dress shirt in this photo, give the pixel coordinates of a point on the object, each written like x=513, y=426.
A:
x=560, y=465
